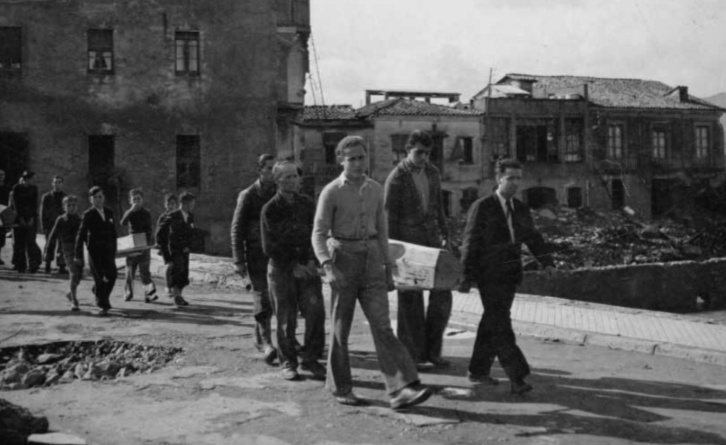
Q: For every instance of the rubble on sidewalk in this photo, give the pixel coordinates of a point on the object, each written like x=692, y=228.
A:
x=62, y=362
x=17, y=423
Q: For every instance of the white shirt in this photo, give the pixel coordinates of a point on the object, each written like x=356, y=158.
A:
x=503, y=202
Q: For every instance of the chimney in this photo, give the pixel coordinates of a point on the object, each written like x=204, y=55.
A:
x=683, y=93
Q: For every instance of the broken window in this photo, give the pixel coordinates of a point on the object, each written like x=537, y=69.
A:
x=188, y=161
x=658, y=142
x=10, y=49
x=398, y=147
x=617, y=194
x=573, y=140
x=187, y=52
x=330, y=143
x=100, y=51
x=574, y=197
x=615, y=141
x=703, y=141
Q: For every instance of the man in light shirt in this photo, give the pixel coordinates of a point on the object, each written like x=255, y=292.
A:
x=350, y=239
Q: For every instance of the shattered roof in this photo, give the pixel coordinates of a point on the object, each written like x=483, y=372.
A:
x=329, y=112
x=616, y=93
x=409, y=107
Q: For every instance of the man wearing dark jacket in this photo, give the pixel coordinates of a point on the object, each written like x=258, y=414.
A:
x=247, y=252
x=98, y=233
x=51, y=207
x=174, y=236
x=24, y=200
x=414, y=204
x=491, y=252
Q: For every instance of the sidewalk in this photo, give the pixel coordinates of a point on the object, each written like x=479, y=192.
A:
x=555, y=319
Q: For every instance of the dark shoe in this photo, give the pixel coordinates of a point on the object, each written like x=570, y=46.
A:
x=289, y=374
x=270, y=355
x=485, y=379
x=318, y=371
x=2, y=263
x=47, y=269
x=440, y=362
x=151, y=293
x=128, y=297
x=150, y=299
x=62, y=270
x=410, y=396
x=103, y=313
x=350, y=399
x=179, y=301
x=521, y=387
x=33, y=270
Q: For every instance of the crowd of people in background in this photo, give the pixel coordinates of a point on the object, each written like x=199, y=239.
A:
x=282, y=241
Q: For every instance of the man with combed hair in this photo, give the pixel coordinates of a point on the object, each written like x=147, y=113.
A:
x=491, y=253
x=350, y=239
x=287, y=225
x=247, y=252
x=416, y=215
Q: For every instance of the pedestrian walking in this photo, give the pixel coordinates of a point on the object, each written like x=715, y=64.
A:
x=249, y=258
x=98, y=233
x=64, y=234
x=491, y=250
x=171, y=203
x=287, y=225
x=350, y=238
x=414, y=203
x=4, y=198
x=138, y=220
x=27, y=256
x=174, y=236
x=51, y=207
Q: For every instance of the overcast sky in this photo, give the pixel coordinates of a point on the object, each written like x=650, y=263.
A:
x=451, y=45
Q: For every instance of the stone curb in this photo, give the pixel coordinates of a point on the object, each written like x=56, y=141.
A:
x=585, y=338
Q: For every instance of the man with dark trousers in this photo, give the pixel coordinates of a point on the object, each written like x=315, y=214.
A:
x=138, y=219
x=24, y=200
x=247, y=252
x=415, y=209
x=4, y=196
x=174, y=236
x=292, y=273
x=51, y=207
x=491, y=251
x=98, y=233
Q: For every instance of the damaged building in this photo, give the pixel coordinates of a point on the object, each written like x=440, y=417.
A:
x=604, y=143
x=167, y=95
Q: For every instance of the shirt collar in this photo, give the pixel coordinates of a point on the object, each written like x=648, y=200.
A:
x=344, y=179
x=413, y=167
x=502, y=199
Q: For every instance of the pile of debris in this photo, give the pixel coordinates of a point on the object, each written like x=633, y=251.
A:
x=48, y=364
x=581, y=238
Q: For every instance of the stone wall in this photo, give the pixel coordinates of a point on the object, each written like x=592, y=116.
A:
x=671, y=287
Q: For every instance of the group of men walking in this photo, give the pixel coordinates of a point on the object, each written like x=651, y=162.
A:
x=280, y=238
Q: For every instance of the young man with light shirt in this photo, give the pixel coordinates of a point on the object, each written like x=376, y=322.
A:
x=491, y=253
x=350, y=238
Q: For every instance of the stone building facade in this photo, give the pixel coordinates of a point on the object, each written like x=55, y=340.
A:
x=168, y=95
x=603, y=143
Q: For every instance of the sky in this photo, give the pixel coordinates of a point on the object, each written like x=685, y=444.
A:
x=453, y=45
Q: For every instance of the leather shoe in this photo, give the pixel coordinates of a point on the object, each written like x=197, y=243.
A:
x=521, y=387
x=350, y=399
x=270, y=354
x=410, y=396
x=440, y=362
x=289, y=374
x=482, y=379
x=318, y=371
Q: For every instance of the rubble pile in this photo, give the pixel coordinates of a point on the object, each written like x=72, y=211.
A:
x=584, y=238
x=17, y=423
x=48, y=364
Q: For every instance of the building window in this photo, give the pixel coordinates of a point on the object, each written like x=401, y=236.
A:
x=467, y=150
x=100, y=51
x=573, y=140
x=615, y=141
x=574, y=197
x=11, y=56
x=617, y=194
x=398, y=147
x=187, y=52
x=330, y=142
x=188, y=161
x=703, y=142
x=658, y=142
x=468, y=197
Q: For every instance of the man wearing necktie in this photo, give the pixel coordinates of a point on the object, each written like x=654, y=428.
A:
x=491, y=252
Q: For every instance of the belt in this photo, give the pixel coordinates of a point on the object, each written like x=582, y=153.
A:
x=341, y=238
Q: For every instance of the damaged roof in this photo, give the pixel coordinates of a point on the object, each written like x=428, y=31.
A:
x=329, y=112
x=410, y=107
x=614, y=92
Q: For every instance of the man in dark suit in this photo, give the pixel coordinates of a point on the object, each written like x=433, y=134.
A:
x=491, y=252
x=98, y=232
x=51, y=207
x=415, y=209
x=174, y=237
x=24, y=200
